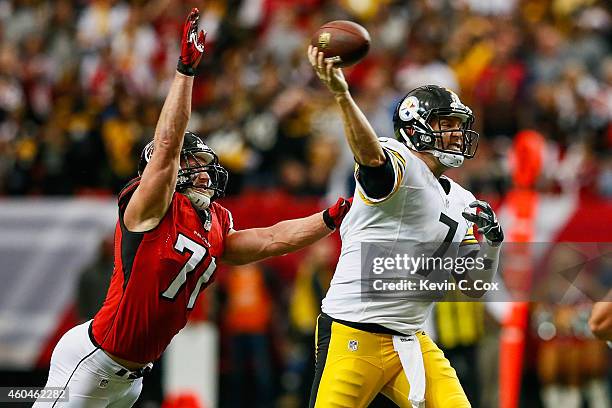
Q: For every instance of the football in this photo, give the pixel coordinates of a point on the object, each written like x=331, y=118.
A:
x=344, y=42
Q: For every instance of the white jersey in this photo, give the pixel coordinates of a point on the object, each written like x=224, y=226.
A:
x=417, y=210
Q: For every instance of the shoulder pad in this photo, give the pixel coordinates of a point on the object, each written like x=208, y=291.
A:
x=392, y=143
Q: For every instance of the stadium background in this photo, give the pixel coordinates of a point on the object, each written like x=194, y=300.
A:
x=81, y=86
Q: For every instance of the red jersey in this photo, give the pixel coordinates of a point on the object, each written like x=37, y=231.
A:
x=157, y=277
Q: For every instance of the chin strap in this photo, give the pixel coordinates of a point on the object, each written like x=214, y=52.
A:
x=198, y=199
x=448, y=159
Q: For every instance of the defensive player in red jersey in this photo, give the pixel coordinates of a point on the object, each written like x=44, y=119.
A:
x=168, y=240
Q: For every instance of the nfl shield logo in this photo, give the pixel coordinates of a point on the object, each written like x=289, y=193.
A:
x=353, y=345
x=103, y=383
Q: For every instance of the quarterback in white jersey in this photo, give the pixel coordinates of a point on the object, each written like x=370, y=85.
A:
x=366, y=347
x=399, y=216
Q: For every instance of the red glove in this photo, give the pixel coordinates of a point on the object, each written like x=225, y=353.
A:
x=334, y=215
x=192, y=44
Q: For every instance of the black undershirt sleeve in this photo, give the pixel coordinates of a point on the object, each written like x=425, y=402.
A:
x=377, y=182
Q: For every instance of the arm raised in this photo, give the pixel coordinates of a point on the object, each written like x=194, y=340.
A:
x=152, y=197
x=359, y=133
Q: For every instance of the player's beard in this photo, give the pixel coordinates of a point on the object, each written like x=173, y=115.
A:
x=199, y=199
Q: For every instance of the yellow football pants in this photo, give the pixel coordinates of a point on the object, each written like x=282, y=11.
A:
x=353, y=366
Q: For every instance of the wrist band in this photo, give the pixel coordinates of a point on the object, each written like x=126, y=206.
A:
x=185, y=69
x=328, y=220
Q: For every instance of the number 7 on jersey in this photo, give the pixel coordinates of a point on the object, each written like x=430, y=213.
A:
x=198, y=254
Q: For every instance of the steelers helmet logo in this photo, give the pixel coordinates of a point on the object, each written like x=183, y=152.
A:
x=408, y=107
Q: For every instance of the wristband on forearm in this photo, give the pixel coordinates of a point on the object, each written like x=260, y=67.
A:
x=327, y=219
x=185, y=69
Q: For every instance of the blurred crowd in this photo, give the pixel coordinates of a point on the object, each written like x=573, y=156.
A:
x=82, y=83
